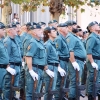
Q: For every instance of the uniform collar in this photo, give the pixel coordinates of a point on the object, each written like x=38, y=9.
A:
x=11, y=38
x=1, y=40
x=62, y=36
x=24, y=33
x=74, y=34
x=36, y=39
x=96, y=35
x=52, y=42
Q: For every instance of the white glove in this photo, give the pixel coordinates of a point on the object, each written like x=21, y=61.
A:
x=94, y=65
x=61, y=71
x=11, y=70
x=76, y=66
x=34, y=75
x=50, y=73
x=23, y=63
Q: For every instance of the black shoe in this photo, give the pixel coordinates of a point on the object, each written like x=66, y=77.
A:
x=90, y=97
x=82, y=95
x=71, y=99
x=64, y=98
x=14, y=98
x=22, y=95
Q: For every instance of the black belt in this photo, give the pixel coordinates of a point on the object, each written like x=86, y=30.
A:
x=53, y=64
x=64, y=59
x=82, y=59
x=96, y=57
x=16, y=64
x=38, y=66
x=3, y=66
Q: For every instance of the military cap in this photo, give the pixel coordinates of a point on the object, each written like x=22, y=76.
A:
x=12, y=25
x=52, y=21
x=92, y=23
x=41, y=23
x=30, y=24
x=85, y=32
x=77, y=30
x=2, y=25
x=35, y=27
x=74, y=23
x=70, y=23
x=62, y=25
x=17, y=23
x=49, y=28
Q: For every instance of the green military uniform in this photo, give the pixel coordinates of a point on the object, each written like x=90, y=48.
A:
x=93, y=48
x=4, y=61
x=37, y=51
x=75, y=45
x=52, y=61
x=15, y=62
x=63, y=54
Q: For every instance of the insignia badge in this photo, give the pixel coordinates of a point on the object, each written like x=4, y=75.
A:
x=50, y=27
x=52, y=21
x=40, y=23
x=68, y=40
x=34, y=26
x=57, y=45
x=10, y=25
x=29, y=47
x=5, y=45
x=31, y=23
x=0, y=26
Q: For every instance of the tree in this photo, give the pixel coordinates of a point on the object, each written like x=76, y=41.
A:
x=6, y=11
x=56, y=7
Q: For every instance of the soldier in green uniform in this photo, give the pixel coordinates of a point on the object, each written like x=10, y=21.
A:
x=63, y=54
x=15, y=60
x=93, y=58
x=36, y=61
x=77, y=58
x=52, y=59
x=4, y=59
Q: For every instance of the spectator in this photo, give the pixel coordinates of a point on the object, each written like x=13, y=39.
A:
x=15, y=18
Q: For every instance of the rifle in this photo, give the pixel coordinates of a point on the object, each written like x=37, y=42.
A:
x=62, y=89
x=50, y=94
x=95, y=86
x=79, y=87
x=12, y=83
x=13, y=88
x=50, y=91
x=84, y=75
x=35, y=95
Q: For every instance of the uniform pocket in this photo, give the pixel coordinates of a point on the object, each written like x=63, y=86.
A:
x=41, y=52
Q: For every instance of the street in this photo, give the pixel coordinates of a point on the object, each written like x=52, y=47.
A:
x=80, y=98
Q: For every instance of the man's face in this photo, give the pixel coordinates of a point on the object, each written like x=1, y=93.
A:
x=65, y=30
x=74, y=26
x=39, y=33
x=2, y=32
x=18, y=29
x=54, y=24
x=13, y=31
x=97, y=27
x=43, y=27
x=24, y=28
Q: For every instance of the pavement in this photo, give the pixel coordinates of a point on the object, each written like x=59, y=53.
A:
x=80, y=97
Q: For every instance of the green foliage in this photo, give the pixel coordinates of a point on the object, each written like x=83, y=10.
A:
x=31, y=5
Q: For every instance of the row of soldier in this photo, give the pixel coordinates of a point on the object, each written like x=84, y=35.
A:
x=36, y=54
